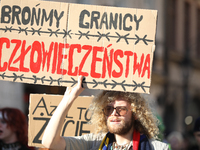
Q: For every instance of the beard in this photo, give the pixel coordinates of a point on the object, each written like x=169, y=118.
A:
x=122, y=128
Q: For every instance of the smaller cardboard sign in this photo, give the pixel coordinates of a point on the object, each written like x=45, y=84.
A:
x=41, y=109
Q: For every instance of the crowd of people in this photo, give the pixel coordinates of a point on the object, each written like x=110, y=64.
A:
x=183, y=141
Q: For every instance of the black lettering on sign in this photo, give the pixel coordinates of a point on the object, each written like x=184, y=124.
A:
x=26, y=15
x=65, y=126
x=35, y=16
x=81, y=108
x=15, y=14
x=117, y=20
x=58, y=17
x=81, y=18
x=137, y=21
x=104, y=20
x=5, y=11
x=120, y=21
x=44, y=16
x=81, y=128
x=42, y=106
x=124, y=22
x=54, y=108
x=37, y=137
x=76, y=131
x=113, y=22
x=94, y=18
x=86, y=113
x=68, y=116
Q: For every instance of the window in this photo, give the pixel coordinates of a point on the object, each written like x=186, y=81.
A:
x=198, y=34
x=171, y=24
x=187, y=39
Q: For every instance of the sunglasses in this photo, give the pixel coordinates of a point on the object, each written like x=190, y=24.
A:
x=121, y=110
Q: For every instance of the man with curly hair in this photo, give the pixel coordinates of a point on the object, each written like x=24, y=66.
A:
x=123, y=121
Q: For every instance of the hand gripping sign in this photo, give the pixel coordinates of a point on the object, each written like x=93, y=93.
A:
x=51, y=43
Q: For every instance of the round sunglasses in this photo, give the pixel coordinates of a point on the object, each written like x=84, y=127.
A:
x=121, y=110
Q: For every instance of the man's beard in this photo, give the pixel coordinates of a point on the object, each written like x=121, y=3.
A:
x=121, y=129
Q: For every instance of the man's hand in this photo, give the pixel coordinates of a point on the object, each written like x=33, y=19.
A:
x=73, y=93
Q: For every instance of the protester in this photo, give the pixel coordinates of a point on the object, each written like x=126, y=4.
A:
x=125, y=117
x=176, y=140
x=13, y=130
x=196, y=132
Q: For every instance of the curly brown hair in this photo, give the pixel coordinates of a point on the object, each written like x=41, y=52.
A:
x=145, y=121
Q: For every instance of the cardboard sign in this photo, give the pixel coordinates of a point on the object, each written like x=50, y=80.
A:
x=41, y=109
x=52, y=43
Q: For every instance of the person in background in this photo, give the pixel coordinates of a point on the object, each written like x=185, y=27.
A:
x=123, y=121
x=176, y=140
x=196, y=132
x=13, y=130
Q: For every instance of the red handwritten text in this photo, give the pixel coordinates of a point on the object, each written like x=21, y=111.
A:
x=51, y=59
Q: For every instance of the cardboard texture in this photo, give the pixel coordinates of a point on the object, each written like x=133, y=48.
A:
x=52, y=43
x=41, y=109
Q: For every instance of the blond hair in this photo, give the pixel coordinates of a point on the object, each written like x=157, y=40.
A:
x=144, y=122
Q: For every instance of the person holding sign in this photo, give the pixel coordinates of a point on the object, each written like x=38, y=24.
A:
x=123, y=121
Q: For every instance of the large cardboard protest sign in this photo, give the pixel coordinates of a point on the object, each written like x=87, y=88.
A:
x=51, y=43
x=41, y=109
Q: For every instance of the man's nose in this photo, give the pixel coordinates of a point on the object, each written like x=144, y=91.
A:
x=114, y=113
